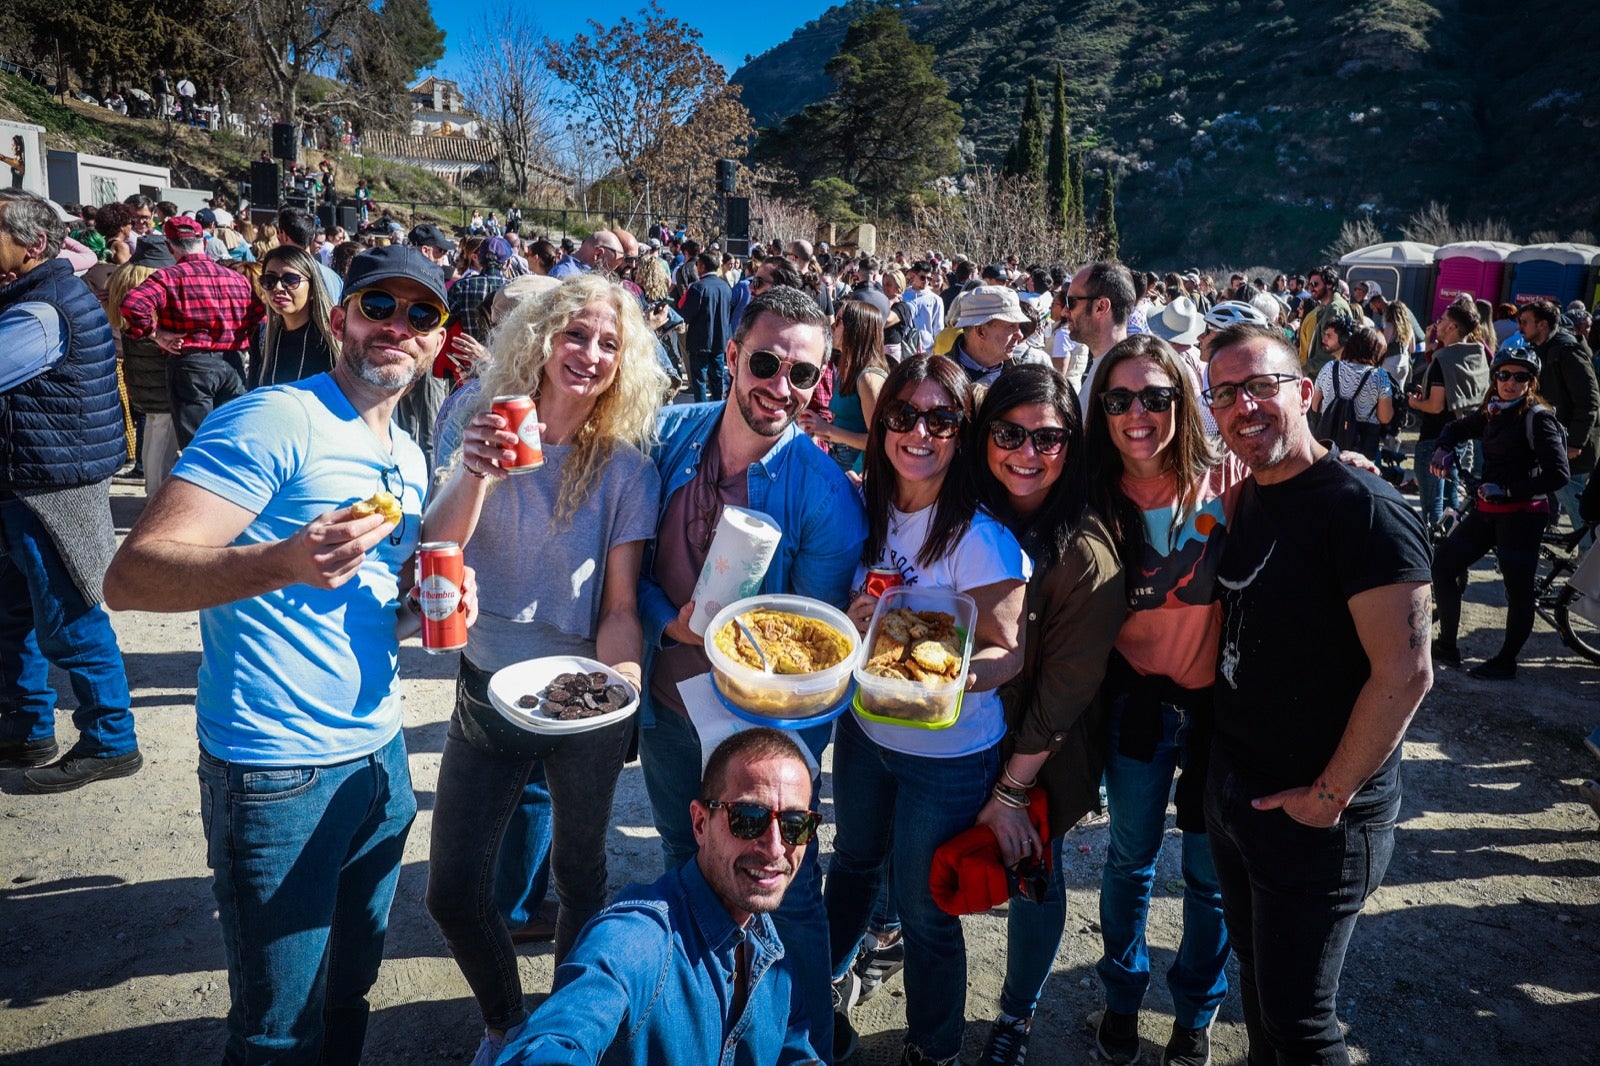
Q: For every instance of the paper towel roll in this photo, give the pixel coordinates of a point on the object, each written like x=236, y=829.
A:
x=741, y=550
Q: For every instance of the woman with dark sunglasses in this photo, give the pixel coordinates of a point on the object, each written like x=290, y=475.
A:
x=901, y=792
x=1167, y=499
x=296, y=340
x=1524, y=461
x=558, y=549
x=1028, y=463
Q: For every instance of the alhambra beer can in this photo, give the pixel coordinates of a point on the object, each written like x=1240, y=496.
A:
x=881, y=579
x=522, y=418
x=440, y=574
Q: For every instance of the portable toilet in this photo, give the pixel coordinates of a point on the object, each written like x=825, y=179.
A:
x=1559, y=272
x=1474, y=267
x=1403, y=269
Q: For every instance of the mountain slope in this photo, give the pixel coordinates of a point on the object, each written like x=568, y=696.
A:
x=1250, y=131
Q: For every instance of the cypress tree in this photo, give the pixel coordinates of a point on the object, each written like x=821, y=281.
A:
x=1106, y=217
x=1026, y=157
x=1076, y=208
x=1057, y=188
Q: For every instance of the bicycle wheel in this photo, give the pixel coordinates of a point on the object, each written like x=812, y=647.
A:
x=1579, y=634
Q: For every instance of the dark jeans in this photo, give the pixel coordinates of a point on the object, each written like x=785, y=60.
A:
x=44, y=619
x=478, y=793
x=1515, y=540
x=1291, y=894
x=197, y=384
x=706, y=375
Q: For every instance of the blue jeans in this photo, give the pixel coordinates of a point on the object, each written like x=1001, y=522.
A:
x=522, y=878
x=1434, y=494
x=44, y=620
x=304, y=863
x=707, y=375
x=1138, y=793
x=1291, y=894
x=905, y=805
x=1033, y=935
x=669, y=753
x=1568, y=494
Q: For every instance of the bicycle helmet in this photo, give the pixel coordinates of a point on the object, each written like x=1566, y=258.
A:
x=1233, y=313
x=1519, y=356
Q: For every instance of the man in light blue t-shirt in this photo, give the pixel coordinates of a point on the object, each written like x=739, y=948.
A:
x=305, y=795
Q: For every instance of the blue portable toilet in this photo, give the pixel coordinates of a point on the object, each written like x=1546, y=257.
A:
x=1403, y=269
x=1559, y=272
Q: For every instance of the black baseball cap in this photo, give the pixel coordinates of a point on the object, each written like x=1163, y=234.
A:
x=428, y=235
x=394, y=261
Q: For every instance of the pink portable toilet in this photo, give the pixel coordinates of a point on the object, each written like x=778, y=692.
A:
x=1474, y=267
x=1558, y=272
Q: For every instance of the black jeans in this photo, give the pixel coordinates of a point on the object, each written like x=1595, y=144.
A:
x=1290, y=897
x=198, y=383
x=476, y=797
x=1515, y=540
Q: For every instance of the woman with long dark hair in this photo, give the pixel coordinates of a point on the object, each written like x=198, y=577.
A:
x=1524, y=461
x=1355, y=371
x=1028, y=464
x=859, y=371
x=296, y=340
x=901, y=792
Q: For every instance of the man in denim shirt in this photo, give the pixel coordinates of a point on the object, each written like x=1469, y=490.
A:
x=746, y=452
x=690, y=969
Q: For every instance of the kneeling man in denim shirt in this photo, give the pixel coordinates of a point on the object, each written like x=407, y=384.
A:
x=690, y=969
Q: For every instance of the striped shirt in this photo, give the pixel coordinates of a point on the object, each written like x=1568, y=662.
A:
x=212, y=307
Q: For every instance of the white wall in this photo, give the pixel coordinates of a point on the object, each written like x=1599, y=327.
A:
x=24, y=169
x=93, y=179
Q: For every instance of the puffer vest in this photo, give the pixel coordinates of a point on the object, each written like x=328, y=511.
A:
x=63, y=427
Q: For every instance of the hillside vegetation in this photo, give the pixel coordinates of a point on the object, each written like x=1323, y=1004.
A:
x=1248, y=131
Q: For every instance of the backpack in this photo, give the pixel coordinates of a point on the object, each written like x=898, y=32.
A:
x=1338, y=421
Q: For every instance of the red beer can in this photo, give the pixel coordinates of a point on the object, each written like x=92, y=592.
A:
x=440, y=573
x=881, y=579
x=522, y=418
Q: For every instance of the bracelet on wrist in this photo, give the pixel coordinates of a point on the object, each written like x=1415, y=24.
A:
x=471, y=471
x=1007, y=779
x=1011, y=798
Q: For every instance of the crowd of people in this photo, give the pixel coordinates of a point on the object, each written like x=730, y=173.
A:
x=1152, y=489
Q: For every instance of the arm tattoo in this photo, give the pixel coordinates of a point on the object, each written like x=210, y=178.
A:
x=1420, y=621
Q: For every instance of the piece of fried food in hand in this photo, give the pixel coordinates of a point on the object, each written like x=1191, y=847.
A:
x=379, y=502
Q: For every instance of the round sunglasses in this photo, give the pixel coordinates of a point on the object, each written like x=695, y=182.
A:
x=286, y=279
x=748, y=821
x=1047, y=440
x=376, y=305
x=902, y=417
x=1155, y=398
x=765, y=365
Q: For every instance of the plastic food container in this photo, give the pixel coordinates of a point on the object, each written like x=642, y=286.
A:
x=895, y=701
x=782, y=696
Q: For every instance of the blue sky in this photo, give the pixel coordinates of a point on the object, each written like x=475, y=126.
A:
x=731, y=31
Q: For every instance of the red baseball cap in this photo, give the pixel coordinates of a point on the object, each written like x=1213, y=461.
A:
x=181, y=228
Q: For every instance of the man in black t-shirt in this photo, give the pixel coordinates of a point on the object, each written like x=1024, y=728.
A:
x=1304, y=784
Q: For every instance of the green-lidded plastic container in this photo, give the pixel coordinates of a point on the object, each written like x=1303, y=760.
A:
x=912, y=704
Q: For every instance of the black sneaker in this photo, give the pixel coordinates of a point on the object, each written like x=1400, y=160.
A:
x=1008, y=1042
x=1446, y=653
x=877, y=964
x=846, y=993
x=1116, y=1036
x=1188, y=1047
x=1495, y=669
x=914, y=1056
x=28, y=752
x=75, y=771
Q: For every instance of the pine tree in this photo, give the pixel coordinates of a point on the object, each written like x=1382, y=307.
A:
x=1076, y=208
x=1026, y=158
x=1105, y=219
x=1057, y=187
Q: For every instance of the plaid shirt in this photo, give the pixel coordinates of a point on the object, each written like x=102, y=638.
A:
x=212, y=307
x=469, y=303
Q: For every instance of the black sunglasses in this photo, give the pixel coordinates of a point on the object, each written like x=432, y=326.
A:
x=748, y=821
x=376, y=305
x=288, y=280
x=1260, y=387
x=902, y=417
x=764, y=365
x=1073, y=301
x=398, y=491
x=1521, y=377
x=1030, y=879
x=1154, y=398
x=1047, y=440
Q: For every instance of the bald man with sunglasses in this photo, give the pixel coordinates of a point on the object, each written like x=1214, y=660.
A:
x=305, y=793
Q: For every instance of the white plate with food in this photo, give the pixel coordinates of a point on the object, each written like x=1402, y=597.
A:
x=561, y=694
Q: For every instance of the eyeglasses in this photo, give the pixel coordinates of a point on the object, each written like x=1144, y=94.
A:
x=902, y=417
x=398, y=491
x=376, y=305
x=1154, y=398
x=1260, y=387
x=1521, y=377
x=749, y=821
x=1047, y=440
x=1073, y=301
x=286, y=279
x=764, y=365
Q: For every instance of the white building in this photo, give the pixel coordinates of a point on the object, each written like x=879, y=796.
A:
x=439, y=110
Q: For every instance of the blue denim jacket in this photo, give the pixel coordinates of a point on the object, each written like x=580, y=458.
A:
x=820, y=512
x=651, y=980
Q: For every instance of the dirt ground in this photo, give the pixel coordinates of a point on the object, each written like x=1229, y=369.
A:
x=1481, y=946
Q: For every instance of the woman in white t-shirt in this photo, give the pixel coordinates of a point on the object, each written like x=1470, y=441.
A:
x=901, y=792
x=558, y=550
